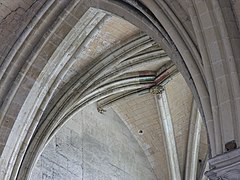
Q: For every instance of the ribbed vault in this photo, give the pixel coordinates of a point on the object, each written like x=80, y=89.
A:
x=66, y=55
x=101, y=59
x=78, y=73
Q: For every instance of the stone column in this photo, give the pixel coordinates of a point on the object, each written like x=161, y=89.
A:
x=167, y=127
x=193, y=143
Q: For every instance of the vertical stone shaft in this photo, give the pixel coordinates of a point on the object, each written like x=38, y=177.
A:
x=166, y=122
x=193, y=143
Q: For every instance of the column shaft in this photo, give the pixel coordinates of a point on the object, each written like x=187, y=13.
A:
x=166, y=122
x=193, y=143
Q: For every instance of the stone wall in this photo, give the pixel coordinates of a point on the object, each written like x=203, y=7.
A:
x=93, y=146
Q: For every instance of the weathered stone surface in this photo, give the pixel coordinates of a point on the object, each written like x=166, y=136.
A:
x=101, y=147
x=201, y=37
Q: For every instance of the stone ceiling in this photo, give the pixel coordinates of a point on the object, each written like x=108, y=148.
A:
x=107, y=60
x=140, y=113
x=59, y=56
x=138, y=110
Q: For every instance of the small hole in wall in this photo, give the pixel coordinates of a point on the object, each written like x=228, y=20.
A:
x=140, y=131
x=231, y=145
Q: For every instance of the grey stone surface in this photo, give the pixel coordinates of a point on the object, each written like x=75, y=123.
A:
x=225, y=166
x=93, y=146
x=201, y=37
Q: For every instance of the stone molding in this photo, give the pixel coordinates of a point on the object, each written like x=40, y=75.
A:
x=225, y=166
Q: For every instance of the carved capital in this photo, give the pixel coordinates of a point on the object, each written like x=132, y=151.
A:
x=225, y=166
x=156, y=89
x=101, y=110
